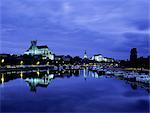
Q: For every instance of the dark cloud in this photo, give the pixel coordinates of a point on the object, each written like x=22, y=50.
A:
x=141, y=24
x=69, y=27
x=137, y=40
x=140, y=41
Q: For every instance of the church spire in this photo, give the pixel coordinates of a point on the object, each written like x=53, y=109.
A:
x=85, y=55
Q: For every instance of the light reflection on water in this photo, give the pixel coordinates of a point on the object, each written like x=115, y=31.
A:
x=77, y=91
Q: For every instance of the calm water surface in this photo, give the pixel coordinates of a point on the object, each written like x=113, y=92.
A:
x=83, y=91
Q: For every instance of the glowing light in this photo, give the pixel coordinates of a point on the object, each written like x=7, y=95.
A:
x=38, y=73
x=8, y=66
x=21, y=74
x=21, y=62
x=2, y=79
x=47, y=63
x=95, y=64
x=37, y=63
x=2, y=60
x=48, y=71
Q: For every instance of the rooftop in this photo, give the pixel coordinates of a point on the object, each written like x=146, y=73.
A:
x=97, y=54
x=41, y=47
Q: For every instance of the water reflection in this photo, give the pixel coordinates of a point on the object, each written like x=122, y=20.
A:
x=2, y=78
x=47, y=91
x=84, y=74
x=87, y=73
x=42, y=78
x=134, y=86
x=41, y=82
x=39, y=78
x=21, y=74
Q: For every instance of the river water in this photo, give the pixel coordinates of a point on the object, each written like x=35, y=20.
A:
x=81, y=91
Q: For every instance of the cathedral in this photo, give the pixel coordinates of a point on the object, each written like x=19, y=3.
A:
x=40, y=50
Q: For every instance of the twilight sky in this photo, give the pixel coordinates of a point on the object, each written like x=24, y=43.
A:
x=108, y=27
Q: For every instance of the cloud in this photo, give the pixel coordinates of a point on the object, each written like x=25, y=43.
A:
x=72, y=26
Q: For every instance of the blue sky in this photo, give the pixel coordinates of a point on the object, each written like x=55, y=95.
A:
x=108, y=27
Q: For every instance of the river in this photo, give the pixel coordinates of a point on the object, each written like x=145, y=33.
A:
x=79, y=91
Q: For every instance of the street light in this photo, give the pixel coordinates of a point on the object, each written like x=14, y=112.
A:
x=37, y=63
x=38, y=72
x=47, y=63
x=21, y=62
x=2, y=61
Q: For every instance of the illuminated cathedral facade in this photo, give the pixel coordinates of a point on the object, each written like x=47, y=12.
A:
x=39, y=50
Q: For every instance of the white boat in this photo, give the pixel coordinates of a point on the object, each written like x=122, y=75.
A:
x=119, y=73
x=143, y=78
x=109, y=72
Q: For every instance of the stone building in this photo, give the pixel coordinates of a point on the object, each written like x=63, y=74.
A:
x=39, y=50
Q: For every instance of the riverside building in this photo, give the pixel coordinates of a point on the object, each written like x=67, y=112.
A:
x=39, y=50
x=100, y=58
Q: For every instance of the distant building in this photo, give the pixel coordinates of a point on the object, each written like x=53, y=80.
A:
x=143, y=62
x=4, y=55
x=110, y=60
x=63, y=57
x=85, y=55
x=39, y=50
x=133, y=55
x=67, y=58
x=58, y=57
x=100, y=58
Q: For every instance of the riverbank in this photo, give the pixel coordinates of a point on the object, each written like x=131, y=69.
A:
x=134, y=69
x=38, y=67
